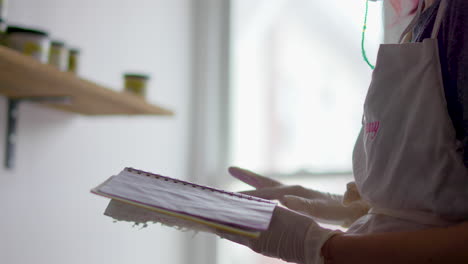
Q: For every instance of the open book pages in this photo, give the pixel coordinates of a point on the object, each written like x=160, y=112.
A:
x=143, y=197
x=123, y=211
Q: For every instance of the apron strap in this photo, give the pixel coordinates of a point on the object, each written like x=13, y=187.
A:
x=437, y=24
x=439, y=18
x=412, y=23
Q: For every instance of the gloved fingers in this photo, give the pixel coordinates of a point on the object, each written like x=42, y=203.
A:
x=268, y=188
x=273, y=193
x=285, y=236
x=323, y=210
x=314, y=208
x=278, y=192
x=352, y=194
x=253, y=179
x=288, y=236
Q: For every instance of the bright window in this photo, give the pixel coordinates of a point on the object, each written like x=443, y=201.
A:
x=298, y=84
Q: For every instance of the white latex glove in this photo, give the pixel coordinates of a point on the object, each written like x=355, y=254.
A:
x=291, y=236
x=323, y=207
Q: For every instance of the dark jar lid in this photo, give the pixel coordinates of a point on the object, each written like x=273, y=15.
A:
x=57, y=43
x=74, y=51
x=13, y=29
x=136, y=75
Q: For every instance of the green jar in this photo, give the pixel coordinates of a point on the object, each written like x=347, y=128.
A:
x=73, y=60
x=58, y=55
x=136, y=83
x=31, y=42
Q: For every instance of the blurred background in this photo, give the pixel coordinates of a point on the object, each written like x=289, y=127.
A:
x=275, y=86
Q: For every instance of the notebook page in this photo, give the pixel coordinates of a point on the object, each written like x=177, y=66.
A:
x=124, y=211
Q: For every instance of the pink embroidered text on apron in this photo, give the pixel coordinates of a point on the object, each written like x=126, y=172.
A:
x=372, y=129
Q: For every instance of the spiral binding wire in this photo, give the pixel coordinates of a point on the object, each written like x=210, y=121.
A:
x=165, y=178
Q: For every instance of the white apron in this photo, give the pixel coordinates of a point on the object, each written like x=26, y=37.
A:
x=407, y=162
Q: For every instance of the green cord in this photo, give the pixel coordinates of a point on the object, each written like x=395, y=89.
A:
x=364, y=55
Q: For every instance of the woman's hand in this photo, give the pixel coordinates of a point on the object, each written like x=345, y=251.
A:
x=291, y=236
x=324, y=207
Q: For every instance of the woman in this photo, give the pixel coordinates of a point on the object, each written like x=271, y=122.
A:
x=409, y=203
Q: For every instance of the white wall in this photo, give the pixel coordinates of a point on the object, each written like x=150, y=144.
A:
x=47, y=214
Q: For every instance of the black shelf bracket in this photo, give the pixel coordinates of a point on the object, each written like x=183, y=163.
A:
x=12, y=120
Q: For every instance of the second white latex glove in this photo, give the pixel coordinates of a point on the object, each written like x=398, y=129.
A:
x=324, y=207
x=291, y=236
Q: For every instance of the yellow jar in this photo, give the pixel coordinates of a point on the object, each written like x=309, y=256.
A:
x=73, y=60
x=31, y=42
x=58, y=55
x=136, y=83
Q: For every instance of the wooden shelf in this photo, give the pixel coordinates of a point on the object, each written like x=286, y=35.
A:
x=22, y=76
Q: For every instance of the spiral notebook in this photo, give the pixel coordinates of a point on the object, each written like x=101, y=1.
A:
x=143, y=197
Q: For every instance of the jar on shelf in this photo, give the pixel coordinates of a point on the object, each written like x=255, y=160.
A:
x=73, y=60
x=58, y=55
x=31, y=42
x=136, y=83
